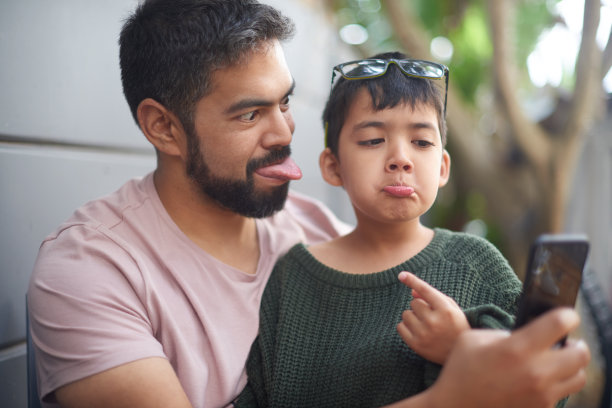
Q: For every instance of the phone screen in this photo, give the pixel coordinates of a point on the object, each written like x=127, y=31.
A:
x=553, y=276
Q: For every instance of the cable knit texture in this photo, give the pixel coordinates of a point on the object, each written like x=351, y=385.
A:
x=329, y=339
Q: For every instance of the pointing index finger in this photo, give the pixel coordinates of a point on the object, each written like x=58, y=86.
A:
x=424, y=290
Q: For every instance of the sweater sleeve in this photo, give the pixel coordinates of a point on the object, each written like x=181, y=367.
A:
x=489, y=316
x=498, y=289
x=500, y=298
x=489, y=290
x=253, y=394
x=261, y=360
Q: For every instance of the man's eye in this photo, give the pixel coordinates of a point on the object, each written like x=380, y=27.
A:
x=371, y=142
x=249, y=116
x=284, y=105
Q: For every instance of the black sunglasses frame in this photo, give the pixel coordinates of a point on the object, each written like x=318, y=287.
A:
x=398, y=62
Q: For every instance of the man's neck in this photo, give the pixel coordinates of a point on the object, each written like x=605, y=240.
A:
x=225, y=235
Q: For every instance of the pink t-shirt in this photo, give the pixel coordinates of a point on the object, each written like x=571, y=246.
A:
x=119, y=281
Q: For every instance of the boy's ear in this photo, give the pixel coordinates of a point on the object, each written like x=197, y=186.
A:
x=161, y=127
x=445, y=168
x=330, y=167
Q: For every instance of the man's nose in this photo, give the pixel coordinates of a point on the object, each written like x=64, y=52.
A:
x=280, y=131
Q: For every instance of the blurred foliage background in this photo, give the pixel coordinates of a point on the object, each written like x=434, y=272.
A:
x=530, y=82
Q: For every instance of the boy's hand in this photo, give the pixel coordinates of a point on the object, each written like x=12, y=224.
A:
x=434, y=323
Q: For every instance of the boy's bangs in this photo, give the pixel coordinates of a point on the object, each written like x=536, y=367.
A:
x=395, y=88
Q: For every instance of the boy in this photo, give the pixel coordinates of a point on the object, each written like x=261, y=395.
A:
x=329, y=313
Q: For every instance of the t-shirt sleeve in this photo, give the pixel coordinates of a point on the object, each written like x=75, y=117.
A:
x=86, y=308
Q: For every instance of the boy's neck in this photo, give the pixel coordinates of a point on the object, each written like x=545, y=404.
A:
x=368, y=250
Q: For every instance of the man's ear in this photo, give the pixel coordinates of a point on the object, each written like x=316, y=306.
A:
x=161, y=127
x=445, y=168
x=330, y=167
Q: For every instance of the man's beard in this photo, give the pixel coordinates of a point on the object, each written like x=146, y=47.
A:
x=237, y=195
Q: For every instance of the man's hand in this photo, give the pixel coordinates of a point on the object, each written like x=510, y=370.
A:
x=489, y=368
x=434, y=322
x=150, y=382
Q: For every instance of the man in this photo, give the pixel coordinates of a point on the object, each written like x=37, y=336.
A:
x=160, y=283
x=150, y=296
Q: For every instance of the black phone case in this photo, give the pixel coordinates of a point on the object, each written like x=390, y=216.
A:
x=553, y=276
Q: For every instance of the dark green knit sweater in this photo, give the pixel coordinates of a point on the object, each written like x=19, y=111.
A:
x=328, y=338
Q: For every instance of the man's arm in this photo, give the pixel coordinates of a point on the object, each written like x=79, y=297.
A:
x=493, y=368
x=150, y=382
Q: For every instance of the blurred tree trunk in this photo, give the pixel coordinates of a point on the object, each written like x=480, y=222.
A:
x=525, y=170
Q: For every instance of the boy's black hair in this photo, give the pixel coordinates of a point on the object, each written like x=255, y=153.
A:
x=170, y=48
x=386, y=91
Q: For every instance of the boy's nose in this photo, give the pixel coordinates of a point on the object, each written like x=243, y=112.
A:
x=399, y=161
x=398, y=166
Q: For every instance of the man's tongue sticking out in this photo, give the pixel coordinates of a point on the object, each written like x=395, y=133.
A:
x=285, y=170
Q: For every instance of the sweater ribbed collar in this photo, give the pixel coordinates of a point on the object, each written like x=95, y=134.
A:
x=432, y=251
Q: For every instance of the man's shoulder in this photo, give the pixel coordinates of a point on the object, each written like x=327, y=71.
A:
x=109, y=210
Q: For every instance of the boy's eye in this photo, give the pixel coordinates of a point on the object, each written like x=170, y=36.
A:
x=371, y=142
x=422, y=143
x=249, y=116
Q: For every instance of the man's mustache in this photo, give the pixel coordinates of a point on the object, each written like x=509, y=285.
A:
x=275, y=156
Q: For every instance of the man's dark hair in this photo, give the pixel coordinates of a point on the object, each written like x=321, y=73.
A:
x=168, y=49
x=386, y=91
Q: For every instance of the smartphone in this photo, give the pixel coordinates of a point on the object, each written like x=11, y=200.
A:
x=554, y=274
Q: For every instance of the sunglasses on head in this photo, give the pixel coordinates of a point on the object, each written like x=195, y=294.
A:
x=376, y=67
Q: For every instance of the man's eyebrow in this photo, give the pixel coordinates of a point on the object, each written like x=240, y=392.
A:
x=254, y=102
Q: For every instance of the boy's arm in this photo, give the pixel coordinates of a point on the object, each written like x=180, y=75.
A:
x=494, y=368
x=255, y=393
x=434, y=322
x=150, y=382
